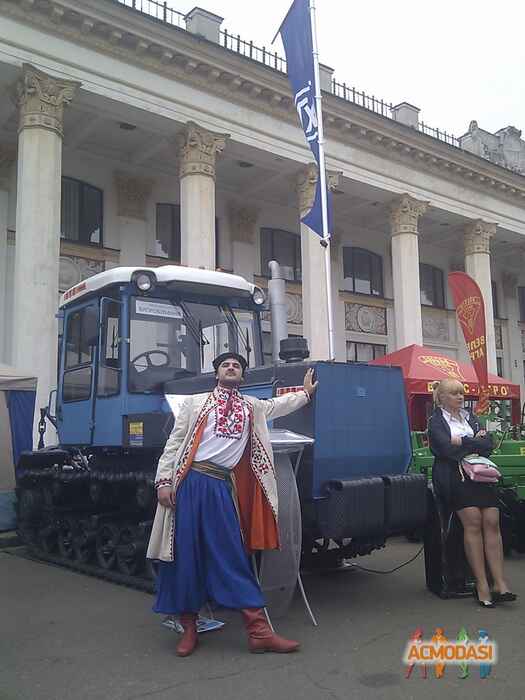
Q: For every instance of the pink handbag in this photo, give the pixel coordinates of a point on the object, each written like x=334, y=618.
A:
x=479, y=469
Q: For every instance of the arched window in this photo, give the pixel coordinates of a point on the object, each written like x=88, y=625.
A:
x=81, y=212
x=362, y=271
x=431, y=286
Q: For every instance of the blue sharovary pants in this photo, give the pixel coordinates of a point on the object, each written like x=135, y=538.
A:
x=211, y=563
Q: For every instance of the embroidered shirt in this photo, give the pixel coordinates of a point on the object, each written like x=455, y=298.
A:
x=226, y=431
x=459, y=427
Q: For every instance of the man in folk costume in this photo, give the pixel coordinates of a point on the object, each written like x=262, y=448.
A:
x=217, y=502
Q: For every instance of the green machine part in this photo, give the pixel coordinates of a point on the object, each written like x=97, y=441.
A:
x=509, y=456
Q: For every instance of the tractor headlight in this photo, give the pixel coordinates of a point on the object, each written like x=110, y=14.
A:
x=258, y=296
x=144, y=281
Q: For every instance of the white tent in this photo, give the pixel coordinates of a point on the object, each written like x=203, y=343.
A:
x=12, y=381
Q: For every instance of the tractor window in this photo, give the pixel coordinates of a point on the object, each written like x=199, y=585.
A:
x=109, y=366
x=77, y=384
x=79, y=354
x=171, y=340
x=162, y=345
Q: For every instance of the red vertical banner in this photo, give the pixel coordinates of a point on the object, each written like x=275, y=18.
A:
x=470, y=310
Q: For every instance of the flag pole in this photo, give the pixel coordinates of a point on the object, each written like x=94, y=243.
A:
x=325, y=241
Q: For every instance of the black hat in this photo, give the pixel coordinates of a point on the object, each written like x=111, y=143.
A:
x=226, y=356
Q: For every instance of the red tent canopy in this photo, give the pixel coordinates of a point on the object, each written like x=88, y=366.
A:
x=421, y=367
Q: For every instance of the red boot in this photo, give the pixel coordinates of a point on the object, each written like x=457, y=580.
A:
x=189, y=639
x=260, y=635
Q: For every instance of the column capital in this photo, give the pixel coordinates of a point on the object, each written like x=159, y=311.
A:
x=197, y=149
x=41, y=99
x=242, y=222
x=477, y=235
x=306, y=182
x=132, y=195
x=305, y=187
x=404, y=214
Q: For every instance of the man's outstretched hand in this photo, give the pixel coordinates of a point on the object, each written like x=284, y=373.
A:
x=308, y=385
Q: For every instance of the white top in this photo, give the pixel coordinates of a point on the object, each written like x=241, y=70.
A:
x=459, y=427
x=224, y=437
x=233, y=285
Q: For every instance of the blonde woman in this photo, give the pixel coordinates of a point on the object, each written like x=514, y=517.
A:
x=453, y=434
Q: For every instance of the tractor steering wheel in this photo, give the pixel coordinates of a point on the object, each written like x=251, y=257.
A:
x=147, y=356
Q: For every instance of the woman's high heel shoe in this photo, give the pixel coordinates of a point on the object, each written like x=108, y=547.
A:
x=482, y=603
x=506, y=597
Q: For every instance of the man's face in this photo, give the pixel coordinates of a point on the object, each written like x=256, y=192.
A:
x=229, y=373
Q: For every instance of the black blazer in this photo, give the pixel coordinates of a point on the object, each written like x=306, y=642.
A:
x=444, y=451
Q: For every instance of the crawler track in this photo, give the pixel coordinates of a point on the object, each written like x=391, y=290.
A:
x=135, y=582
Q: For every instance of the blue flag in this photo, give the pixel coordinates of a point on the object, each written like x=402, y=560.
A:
x=296, y=33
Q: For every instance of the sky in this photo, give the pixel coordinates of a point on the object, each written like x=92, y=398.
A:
x=455, y=60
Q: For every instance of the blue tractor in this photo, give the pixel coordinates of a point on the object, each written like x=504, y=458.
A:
x=134, y=342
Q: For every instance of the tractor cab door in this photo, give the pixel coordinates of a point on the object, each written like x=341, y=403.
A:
x=75, y=397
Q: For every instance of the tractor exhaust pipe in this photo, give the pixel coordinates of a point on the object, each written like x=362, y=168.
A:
x=279, y=315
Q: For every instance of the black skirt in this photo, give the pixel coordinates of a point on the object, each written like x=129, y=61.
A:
x=459, y=494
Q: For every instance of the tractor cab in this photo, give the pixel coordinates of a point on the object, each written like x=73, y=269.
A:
x=128, y=331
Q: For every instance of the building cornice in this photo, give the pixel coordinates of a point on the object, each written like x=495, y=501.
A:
x=175, y=53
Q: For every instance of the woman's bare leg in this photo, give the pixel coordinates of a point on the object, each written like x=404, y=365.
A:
x=471, y=519
x=494, y=547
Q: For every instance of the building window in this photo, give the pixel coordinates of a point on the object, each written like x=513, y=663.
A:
x=431, y=286
x=364, y=352
x=167, y=231
x=499, y=366
x=495, y=309
x=362, y=271
x=283, y=246
x=521, y=299
x=81, y=212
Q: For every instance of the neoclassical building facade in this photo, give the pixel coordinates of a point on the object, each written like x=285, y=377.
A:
x=131, y=135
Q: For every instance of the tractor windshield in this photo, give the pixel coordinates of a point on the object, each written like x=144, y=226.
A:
x=171, y=340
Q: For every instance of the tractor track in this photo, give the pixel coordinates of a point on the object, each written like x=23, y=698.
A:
x=134, y=582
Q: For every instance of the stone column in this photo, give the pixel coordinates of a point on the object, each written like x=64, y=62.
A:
x=477, y=235
x=41, y=100
x=404, y=217
x=243, y=222
x=314, y=293
x=197, y=150
x=132, y=198
x=515, y=349
x=7, y=158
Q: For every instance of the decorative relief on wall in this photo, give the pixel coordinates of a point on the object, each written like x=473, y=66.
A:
x=73, y=270
x=435, y=324
x=499, y=336
x=132, y=195
x=294, y=309
x=365, y=319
